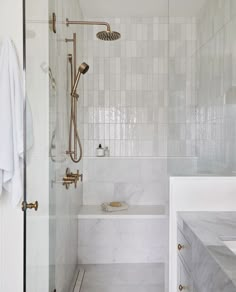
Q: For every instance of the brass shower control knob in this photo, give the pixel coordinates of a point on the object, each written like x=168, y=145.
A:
x=26, y=206
x=72, y=178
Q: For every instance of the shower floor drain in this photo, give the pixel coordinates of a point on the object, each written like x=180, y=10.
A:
x=79, y=280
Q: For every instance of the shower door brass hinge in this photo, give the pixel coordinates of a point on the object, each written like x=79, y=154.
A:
x=53, y=22
x=25, y=206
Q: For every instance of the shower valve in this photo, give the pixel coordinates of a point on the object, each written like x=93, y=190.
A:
x=72, y=178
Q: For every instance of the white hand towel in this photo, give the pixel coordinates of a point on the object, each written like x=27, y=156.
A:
x=12, y=103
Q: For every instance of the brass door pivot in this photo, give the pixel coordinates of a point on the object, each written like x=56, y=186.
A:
x=54, y=21
x=180, y=246
x=181, y=288
x=26, y=206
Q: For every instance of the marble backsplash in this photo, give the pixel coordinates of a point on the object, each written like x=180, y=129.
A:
x=138, y=181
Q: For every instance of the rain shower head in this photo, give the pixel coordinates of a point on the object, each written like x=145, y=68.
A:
x=83, y=69
x=108, y=35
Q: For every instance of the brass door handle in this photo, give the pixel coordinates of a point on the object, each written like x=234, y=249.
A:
x=180, y=246
x=26, y=206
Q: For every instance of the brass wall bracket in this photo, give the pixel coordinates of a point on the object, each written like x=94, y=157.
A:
x=82, y=22
x=25, y=206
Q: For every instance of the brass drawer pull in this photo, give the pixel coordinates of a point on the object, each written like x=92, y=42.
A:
x=180, y=246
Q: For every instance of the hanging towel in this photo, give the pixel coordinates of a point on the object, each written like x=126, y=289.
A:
x=12, y=103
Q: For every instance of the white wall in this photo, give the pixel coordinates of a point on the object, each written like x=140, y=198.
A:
x=11, y=24
x=11, y=220
x=112, y=8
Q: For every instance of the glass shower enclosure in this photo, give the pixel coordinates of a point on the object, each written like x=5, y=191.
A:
x=51, y=231
x=166, y=97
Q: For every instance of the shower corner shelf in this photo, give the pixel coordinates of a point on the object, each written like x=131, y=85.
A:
x=134, y=212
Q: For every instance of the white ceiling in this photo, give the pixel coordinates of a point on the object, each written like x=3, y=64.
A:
x=185, y=7
x=144, y=8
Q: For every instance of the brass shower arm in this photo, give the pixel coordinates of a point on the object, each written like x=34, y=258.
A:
x=68, y=22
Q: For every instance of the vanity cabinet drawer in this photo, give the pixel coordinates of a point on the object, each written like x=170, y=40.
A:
x=184, y=250
x=184, y=278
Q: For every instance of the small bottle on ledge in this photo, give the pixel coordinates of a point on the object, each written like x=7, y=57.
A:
x=100, y=151
x=106, y=152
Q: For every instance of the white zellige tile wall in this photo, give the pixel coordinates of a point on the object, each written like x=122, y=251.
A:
x=125, y=105
x=181, y=101
x=182, y=97
x=127, y=108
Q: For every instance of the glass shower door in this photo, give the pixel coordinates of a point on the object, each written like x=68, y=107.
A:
x=39, y=240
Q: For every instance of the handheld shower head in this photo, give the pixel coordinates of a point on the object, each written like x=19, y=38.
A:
x=83, y=69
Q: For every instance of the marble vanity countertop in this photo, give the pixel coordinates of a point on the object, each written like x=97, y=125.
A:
x=211, y=229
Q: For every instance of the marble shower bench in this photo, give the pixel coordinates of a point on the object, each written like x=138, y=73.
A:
x=136, y=235
x=205, y=263
x=134, y=212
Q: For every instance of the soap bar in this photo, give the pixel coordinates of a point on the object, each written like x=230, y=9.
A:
x=115, y=204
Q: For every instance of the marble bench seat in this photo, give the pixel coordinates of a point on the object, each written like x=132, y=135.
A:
x=134, y=212
x=136, y=235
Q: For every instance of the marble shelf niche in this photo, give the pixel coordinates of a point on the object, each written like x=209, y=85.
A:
x=134, y=212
